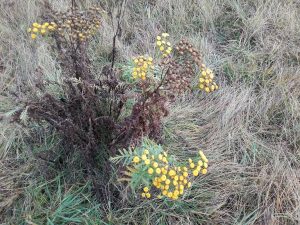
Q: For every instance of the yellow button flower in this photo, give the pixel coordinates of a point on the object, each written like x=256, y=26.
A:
x=160, y=156
x=192, y=165
x=164, y=171
x=195, y=173
x=204, y=171
x=35, y=30
x=172, y=173
x=168, y=181
x=189, y=184
x=136, y=159
x=148, y=195
x=143, y=195
x=163, y=177
x=146, y=189
x=158, y=170
x=33, y=36
x=150, y=171
x=155, y=164
x=158, y=38
x=200, y=163
x=146, y=151
x=147, y=161
x=144, y=157
x=158, y=43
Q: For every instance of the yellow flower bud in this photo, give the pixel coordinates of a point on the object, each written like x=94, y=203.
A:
x=195, y=173
x=33, y=36
x=150, y=171
x=147, y=161
x=35, y=30
x=158, y=170
x=144, y=157
x=160, y=157
x=136, y=159
x=172, y=173
x=146, y=151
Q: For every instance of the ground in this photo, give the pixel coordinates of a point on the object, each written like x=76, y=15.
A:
x=249, y=129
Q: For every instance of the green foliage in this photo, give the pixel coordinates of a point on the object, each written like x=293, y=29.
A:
x=51, y=203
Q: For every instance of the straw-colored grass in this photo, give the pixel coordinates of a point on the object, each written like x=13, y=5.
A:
x=249, y=129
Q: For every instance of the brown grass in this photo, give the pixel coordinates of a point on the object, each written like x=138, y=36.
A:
x=249, y=130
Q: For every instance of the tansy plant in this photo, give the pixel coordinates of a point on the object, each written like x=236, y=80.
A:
x=173, y=70
x=155, y=173
x=88, y=111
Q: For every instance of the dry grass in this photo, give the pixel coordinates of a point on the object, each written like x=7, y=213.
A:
x=250, y=129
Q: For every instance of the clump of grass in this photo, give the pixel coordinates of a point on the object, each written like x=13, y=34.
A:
x=54, y=202
x=250, y=128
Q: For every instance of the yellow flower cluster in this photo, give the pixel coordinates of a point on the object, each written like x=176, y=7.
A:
x=169, y=181
x=163, y=44
x=206, y=82
x=42, y=29
x=142, y=65
x=201, y=165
